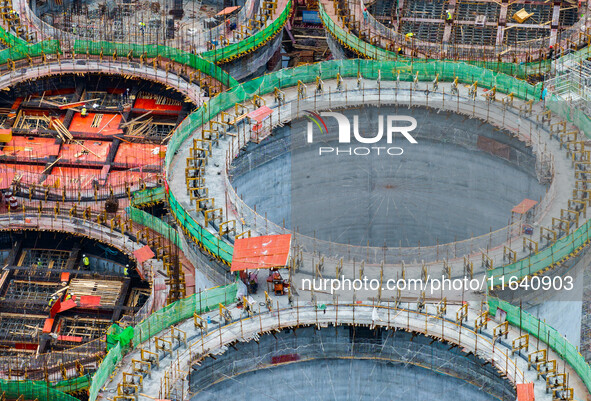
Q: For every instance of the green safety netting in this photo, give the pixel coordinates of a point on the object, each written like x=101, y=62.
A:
x=546, y=333
x=262, y=37
x=184, y=309
x=119, y=340
x=569, y=113
x=557, y=253
x=21, y=51
x=565, y=247
x=33, y=390
x=210, y=242
x=154, y=223
x=149, y=195
x=10, y=39
x=388, y=70
x=70, y=385
x=180, y=56
x=368, y=50
x=104, y=370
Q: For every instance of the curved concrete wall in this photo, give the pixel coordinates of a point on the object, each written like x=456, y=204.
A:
x=379, y=365
x=461, y=180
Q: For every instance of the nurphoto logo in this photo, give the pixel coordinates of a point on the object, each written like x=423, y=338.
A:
x=402, y=125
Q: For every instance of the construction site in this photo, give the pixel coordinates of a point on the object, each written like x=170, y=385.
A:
x=269, y=199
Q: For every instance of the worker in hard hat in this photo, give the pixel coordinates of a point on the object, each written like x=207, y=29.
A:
x=84, y=112
x=68, y=296
x=409, y=35
x=365, y=14
x=400, y=51
x=52, y=300
x=126, y=270
x=142, y=26
x=85, y=261
x=448, y=15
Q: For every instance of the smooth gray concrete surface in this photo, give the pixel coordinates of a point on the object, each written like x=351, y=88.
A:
x=460, y=180
x=347, y=363
x=337, y=379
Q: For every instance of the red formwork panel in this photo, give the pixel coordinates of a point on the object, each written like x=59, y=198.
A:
x=140, y=154
x=17, y=103
x=30, y=148
x=150, y=104
x=109, y=125
x=55, y=92
x=29, y=174
x=72, y=178
x=85, y=151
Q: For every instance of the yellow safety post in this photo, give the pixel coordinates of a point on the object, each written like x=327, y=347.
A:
x=462, y=313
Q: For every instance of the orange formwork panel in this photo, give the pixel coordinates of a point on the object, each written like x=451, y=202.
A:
x=108, y=125
x=92, y=151
x=28, y=174
x=73, y=178
x=150, y=104
x=140, y=154
x=30, y=148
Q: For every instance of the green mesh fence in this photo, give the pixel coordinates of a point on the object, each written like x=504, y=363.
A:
x=154, y=223
x=105, y=369
x=10, y=39
x=250, y=44
x=32, y=390
x=570, y=113
x=21, y=51
x=209, y=242
x=70, y=385
x=119, y=340
x=149, y=195
x=327, y=70
x=182, y=310
x=546, y=333
x=565, y=247
x=53, y=391
x=370, y=51
x=180, y=56
x=548, y=257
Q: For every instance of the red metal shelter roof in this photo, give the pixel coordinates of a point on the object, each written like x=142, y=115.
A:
x=525, y=392
x=260, y=114
x=228, y=10
x=524, y=206
x=262, y=252
x=143, y=254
